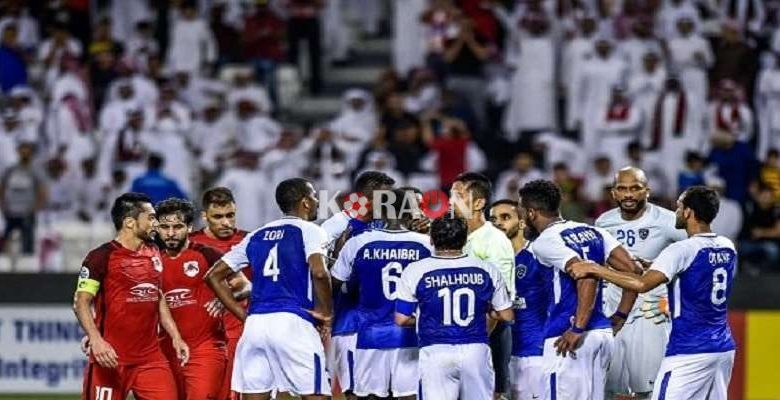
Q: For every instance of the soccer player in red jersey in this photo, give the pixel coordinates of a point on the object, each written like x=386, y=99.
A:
x=121, y=279
x=219, y=215
x=184, y=266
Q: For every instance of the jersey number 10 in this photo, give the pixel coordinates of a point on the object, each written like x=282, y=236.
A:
x=451, y=302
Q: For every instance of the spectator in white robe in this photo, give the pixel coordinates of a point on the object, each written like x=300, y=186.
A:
x=368, y=13
x=255, y=131
x=192, y=46
x=61, y=189
x=169, y=106
x=384, y=162
x=141, y=45
x=671, y=12
x=336, y=32
x=196, y=91
x=408, y=28
x=167, y=138
x=245, y=88
x=601, y=175
x=653, y=167
x=533, y=102
x=576, y=52
x=123, y=149
x=641, y=42
x=768, y=108
x=644, y=88
x=730, y=114
x=555, y=149
x=248, y=185
x=25, y=101
x=690, y=56
x=676, y=128
x=69, y=131
x=619, y=123
x=729, y=220
x=523, y=171
x=211, y=135
x=11, y=135
x=126, y=15
x=593, y=84
x=145, y=90
x=91, y=194
x=17, y=13
x=749, y=15
x=54, y=50
x=122, y=99
x=286, y=160
x=356, y=125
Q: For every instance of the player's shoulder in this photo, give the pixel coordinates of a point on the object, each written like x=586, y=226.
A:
x=336, y=224
x=662, y=214
x=205, y=250
x=101, y=254
x=608, y=218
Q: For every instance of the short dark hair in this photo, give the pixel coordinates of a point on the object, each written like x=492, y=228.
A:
x=372, y=180
x=449, y=233
x=173, y=205
x=155, y=161
x=477, y=183
x=220, y=196
x=506, y=202
x=290, y=192
x=128, y=205
x=703, y=201
x=773, y=153
x=542, y=195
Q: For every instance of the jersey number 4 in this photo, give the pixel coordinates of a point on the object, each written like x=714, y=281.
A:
x=452, y=310
x=271, y=267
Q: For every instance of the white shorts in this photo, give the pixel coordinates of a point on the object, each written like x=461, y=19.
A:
x=639, y=350
x=342, y=360
x=527, y=377
x=583, y=377
x=449, y=372
x=694, y=377
x=380, y=371
x=267, y=359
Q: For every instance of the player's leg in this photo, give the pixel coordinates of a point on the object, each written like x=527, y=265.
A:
x=203, y=375
x=722, y=375
x=527, y=378
x=253, y=374
x=618, y=372
x=405, y=376
x=301, y=362
x=438, y=379
x=102, y=383
x=476, y=380
x=372, y=372
x=153, y=381
x=501, y=352
x=601, y=354
x=648, y=343
x=684, y=377
x=569, y=377
x=343, y=362
x=230, y=353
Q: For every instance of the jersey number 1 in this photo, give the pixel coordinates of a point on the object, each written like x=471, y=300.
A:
x=452, y=311
x=271, y=267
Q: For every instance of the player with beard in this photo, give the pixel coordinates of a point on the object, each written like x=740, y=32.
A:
x=645, y=229
x=122, y=280
x=184, y=265
x=699, y=272
x=578, y=341
x=220, y=232
x=531, y=301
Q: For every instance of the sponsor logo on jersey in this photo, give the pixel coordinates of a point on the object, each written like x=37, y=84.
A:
x=157, y=263
x=191, y=268
x=84, y=273
x=644, y=233
x=144, y=292
x=520, y=271
x=179, y=298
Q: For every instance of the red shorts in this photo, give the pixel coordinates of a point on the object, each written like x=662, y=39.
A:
x=150, y=381
x=226, y=393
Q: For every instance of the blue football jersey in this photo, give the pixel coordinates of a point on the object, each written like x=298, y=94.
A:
x=375, y=260
x=700, y=270
x=279, y=252
x=558, y=244
x=531, y=303
x=453, y=296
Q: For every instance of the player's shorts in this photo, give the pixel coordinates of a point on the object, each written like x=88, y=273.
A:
x=694, y=376
x=582, y=377
x=637, y=356
x=280, y=351
x=230, y=353
x=380, y=371
x=203, y=375
x=148, y=381
x=342, y=360
x=527, y=378
x=449, y=372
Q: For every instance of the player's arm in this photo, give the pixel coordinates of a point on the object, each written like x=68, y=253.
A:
x=169, y=325
x=216, y=278
x=104, y=353
x=629, y=281
x=620, y=260
x=406, y=300
x=240, y=285
x=323, y=307
x=502, y=299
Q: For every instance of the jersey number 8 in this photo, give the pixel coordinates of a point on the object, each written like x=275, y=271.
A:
x=719, y=277
x=451, y=302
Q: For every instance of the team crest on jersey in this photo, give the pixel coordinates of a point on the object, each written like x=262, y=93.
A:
x=520, y=271
x=644, y=233
x=157, y=264
x=191, y=268
x=84, y=273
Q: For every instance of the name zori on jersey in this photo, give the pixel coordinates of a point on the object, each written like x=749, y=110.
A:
x=456, y=279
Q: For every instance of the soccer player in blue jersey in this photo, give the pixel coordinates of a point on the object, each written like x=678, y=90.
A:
x=530, y=303
x=699, y=272
x=452, y=295
x=578, y=341
x=291, y=295
x=340, y=227
x=386, y=356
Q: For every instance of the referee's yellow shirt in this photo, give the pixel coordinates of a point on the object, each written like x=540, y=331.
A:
x=491, y=244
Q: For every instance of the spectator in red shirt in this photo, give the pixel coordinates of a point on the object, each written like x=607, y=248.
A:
x=449, y=138
x=263, y=43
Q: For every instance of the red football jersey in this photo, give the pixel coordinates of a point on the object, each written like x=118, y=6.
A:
x=233, y=327
x=127, y=304
x=187, y=293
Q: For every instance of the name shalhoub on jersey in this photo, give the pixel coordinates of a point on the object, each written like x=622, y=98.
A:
x=464, y=278
x=391, y=254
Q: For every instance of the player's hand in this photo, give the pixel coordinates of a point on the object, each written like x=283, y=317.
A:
x=420, y=225
x=215, y=308
x=85, y=345
x=567, y=343
x=645, y=264
x=104, y=354
x=182, y=351
x=579, y=270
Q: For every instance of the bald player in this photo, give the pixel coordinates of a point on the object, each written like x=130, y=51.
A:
x=644, y=229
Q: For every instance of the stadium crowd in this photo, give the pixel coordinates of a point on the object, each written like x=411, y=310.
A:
x=171, y=97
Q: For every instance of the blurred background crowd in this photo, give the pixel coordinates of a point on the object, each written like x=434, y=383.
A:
x=172, y=97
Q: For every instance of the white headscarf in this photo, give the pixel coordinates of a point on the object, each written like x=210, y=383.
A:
x=356, y=125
